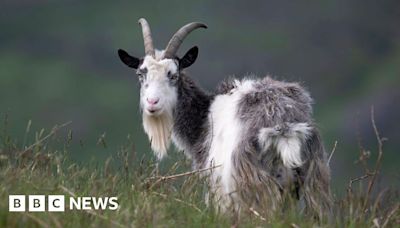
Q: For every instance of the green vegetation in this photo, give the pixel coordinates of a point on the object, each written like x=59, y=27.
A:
x=150, y=197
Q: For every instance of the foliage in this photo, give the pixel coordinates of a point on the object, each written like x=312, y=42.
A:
x=147, y=199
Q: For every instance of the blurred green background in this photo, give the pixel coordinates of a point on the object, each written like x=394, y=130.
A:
x=58, y=62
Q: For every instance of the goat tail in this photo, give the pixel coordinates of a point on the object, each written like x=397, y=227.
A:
x=287, y=139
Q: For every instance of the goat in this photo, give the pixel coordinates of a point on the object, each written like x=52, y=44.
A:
x=257, y=135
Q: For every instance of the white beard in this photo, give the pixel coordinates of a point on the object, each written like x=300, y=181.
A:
x=158, y=129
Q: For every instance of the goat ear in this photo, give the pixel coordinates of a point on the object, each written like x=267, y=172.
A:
x=130, y=61
x=189, y=58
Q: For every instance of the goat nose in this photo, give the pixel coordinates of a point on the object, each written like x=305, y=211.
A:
x=153, y=101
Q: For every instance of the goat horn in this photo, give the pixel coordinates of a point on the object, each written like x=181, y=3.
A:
x=179, y=36
x=148, y=40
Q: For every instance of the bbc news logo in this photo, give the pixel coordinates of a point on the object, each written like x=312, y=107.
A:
x=56, y=203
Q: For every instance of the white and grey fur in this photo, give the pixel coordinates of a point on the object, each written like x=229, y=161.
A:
x=258, y=132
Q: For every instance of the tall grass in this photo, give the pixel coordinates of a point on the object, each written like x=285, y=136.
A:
x=149, y=197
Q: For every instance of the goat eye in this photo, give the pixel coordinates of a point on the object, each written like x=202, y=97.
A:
x=141, y=77
x=141, y=71
x=172, y=76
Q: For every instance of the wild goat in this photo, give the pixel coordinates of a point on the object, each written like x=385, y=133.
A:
x=258, y=133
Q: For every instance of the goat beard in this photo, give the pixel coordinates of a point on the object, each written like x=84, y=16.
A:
x=158, y=129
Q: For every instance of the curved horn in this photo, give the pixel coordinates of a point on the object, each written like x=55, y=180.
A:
x=148, y=40
x=179, y=36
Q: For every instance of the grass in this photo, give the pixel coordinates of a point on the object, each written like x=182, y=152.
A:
x=150, y=197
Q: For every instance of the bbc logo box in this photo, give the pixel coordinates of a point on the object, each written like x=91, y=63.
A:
x=16, y=203
x=36, y=203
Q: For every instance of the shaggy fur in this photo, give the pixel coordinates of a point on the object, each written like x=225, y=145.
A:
x=275, y=150
x=158, y=129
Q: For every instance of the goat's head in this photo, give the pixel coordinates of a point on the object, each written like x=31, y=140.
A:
x=158, y=73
